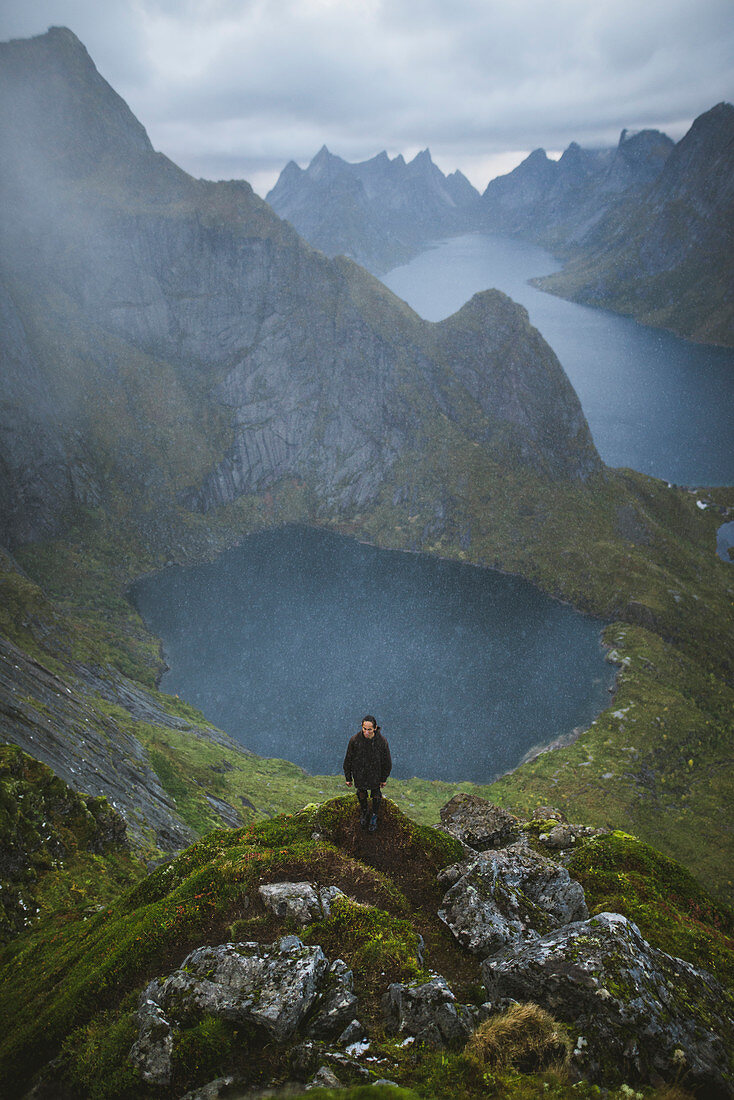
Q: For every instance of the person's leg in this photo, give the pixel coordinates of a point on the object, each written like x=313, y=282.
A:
x=376, y=794
x=364, y=813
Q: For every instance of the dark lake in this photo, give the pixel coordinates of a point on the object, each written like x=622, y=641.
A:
x=289, y=640
x=654, y=402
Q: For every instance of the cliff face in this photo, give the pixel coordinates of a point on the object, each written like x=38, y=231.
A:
x=174, y=338
x=379, y=212
x=667, y=258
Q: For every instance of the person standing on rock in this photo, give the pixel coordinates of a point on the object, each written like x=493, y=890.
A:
x=367, y=765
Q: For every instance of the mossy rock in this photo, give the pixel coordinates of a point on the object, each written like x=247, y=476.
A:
x=621, y=874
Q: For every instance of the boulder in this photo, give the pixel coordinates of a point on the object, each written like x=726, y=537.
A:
x=479, y=824
x=507, y=895
x=338, y=1005
x=300, y=900
x=273, y=986
x=324, y=1078
x=222, y=1087
x=428, y=1011
x=638, y=1014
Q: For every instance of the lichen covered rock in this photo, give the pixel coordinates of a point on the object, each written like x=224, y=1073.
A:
x=638, y=1014
x=272, y=986
x=479, y=824
x=514, y=894
x=428, y=1011
x=299, y=900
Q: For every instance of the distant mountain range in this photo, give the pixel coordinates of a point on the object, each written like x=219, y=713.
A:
x=557, y=203
x=665, y=253
x=379, y=212
x=646, y=228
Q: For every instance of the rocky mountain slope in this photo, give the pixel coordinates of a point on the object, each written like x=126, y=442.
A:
x=557, y=203
x=666, y=257
x=304, y=952
x=176, y=337
x=380, y=212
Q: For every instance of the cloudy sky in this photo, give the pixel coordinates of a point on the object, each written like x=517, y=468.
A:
x=236, y=88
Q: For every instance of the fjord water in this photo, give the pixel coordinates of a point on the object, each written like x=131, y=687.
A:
x=289, y=640
x=654, y=402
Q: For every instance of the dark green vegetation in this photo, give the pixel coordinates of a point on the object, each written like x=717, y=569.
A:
x=71, y=986
x=60, y=852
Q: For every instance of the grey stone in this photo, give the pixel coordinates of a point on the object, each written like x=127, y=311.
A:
x=301, y=901
x=507, y=895
x=352, y=1033
x=338, y=1003
x=428, y=1011
x=222, y=1088
x=151, y=1052
x=324, y=1078
x=273, y=986
x=478, y=823
x=638, y=1014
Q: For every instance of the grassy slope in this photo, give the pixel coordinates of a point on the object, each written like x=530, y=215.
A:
x=209, y=894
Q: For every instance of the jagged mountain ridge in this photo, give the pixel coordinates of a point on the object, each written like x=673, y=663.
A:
x=557, y=203
x=173, y=297
x=666, y=258
x=379, y=212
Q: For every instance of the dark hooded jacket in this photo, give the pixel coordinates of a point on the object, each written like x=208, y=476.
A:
x=367, y=761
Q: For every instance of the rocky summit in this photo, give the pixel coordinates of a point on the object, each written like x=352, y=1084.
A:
x=193, y=984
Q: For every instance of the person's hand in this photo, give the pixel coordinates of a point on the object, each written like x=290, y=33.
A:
x=383, y=784
x=349, y=782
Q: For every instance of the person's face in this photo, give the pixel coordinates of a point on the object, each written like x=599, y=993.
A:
x=368, y=730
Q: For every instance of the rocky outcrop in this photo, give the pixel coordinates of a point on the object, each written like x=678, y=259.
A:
x=506, y=896
x=299, y=901
x=637, y=1013
x=479, y=824
x=55, y=720
x=273, y=987
x=379, y=212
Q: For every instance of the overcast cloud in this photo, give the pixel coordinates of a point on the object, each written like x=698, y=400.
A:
x=236, y=88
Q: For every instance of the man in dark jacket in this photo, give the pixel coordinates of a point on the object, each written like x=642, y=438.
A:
x=368, y=765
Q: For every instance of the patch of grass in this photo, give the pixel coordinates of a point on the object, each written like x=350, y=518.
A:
x=62, y=851
x=379, y=948
x=525, y=1037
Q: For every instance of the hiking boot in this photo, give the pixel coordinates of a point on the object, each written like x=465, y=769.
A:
x=364, y=818
x=373, y=824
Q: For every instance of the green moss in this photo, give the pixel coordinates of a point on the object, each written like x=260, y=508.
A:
x=621, y=874
x=93, y=1059
x=377, y=946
